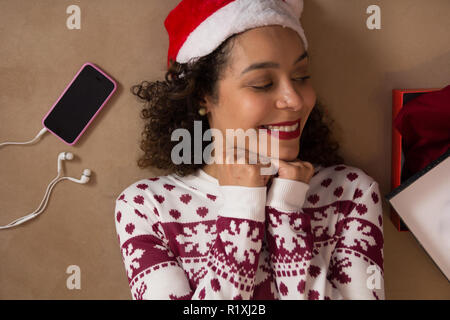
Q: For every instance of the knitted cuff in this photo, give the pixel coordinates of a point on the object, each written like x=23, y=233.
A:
x=287, y=195
x=244, y=202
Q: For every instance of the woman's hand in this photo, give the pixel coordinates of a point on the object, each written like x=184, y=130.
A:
x=296, y=170
x=248, y=175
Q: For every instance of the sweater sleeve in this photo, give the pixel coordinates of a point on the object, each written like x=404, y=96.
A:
x=345, y=269
x=229, y=271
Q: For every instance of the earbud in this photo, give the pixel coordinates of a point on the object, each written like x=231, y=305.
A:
x=66, y=155
x=69, y=156
x=84, y=177
x=63, y=156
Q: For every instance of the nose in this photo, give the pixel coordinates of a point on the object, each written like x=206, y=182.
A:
x=290, y=98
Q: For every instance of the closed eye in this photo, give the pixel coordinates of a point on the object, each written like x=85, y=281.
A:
x=267, y=86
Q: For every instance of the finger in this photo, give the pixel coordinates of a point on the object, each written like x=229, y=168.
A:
x=282, y=163
x=308, y=164
x=268, y=170
x=253, y=157
x=296, y=163
x=300, y=163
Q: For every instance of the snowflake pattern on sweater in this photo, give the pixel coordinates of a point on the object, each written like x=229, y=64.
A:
x=190, y=238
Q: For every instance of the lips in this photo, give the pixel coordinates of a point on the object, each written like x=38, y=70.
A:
x=286, y=123
x=284, y=135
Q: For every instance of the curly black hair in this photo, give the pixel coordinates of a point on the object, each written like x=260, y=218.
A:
x=174, y=103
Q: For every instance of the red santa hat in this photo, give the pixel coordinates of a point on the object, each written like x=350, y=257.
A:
x=197, y=27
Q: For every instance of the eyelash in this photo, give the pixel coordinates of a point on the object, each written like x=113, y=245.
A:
x=266, y=87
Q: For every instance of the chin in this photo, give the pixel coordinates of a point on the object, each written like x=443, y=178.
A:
x=288, y=154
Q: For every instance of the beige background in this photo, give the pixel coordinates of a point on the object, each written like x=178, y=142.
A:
x=354, y=70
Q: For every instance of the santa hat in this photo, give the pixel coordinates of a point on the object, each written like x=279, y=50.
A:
x=197, y=27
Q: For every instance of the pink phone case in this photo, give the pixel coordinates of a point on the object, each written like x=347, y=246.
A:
x=93, y=117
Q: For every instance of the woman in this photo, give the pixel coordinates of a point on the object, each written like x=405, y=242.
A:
x=210, y=230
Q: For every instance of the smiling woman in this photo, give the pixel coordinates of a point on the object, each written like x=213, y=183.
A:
x=175, y=103
x=313, y=230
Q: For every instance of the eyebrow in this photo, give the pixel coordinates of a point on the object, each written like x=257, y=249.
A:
x=269, y=64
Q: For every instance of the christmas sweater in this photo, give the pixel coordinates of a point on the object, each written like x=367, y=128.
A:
x=191, y=238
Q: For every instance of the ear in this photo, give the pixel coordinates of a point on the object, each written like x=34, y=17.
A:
x=296, y=6
x=207, y=103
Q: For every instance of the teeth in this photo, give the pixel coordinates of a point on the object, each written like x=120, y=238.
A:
x=283, y=128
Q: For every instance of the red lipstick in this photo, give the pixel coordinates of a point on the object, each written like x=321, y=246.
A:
x=284, y=135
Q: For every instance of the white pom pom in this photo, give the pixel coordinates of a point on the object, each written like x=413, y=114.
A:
x=296, y=5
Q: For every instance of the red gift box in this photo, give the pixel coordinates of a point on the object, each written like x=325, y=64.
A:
x=399, y=98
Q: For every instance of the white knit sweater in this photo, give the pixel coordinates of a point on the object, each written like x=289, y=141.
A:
x=190, y=238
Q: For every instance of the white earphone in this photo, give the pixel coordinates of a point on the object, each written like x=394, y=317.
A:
x=61, y=157
x=69, y=156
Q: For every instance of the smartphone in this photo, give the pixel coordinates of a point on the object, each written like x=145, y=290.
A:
x=79, y=103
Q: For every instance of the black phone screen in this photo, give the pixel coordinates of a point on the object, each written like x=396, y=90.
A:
x=79, y=104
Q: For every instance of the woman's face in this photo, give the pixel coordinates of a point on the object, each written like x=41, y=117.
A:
x=263, y=84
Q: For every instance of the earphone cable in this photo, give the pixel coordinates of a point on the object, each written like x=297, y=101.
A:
x=43, y=130
x=39, y=209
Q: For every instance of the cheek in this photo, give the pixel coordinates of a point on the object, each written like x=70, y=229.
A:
x=240, y=112
x=250, y=110
x=310, y=97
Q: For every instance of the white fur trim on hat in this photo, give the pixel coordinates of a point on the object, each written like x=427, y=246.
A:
x=236, y=17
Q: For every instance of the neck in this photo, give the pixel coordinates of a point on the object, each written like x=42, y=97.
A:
x=211, y=169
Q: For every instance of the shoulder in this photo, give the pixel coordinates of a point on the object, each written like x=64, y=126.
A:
x=349, y=190
x=136, y=208
x=342, y=182
x=141, y=187
x=138, y=216
x=148, y=191
x=156, y=196
x=344, y=174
